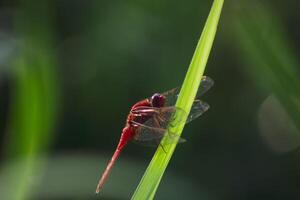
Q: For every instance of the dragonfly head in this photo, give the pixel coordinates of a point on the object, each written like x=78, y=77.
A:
x=158, y=100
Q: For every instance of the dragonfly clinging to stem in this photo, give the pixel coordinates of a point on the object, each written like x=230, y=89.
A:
x=148, y=120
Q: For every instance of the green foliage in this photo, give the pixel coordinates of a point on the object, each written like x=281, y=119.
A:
x=33, y=110
x=269, y=54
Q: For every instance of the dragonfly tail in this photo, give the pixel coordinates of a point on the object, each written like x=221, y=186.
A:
x=127, y=135
x=107, y=170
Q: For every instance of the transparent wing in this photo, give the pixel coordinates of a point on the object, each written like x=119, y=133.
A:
x=198, y=108
x=172, y=95
x=205, y=85
x=150, y=135
x=153, y=129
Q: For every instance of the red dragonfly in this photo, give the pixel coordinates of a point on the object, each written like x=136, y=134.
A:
x=148, y=120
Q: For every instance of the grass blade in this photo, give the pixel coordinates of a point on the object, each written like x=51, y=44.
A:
x=156, y=168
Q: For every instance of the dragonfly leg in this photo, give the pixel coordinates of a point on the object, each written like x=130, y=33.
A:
x=144, y=110
x=141, y=114
x=159, y=119
x=156, y=120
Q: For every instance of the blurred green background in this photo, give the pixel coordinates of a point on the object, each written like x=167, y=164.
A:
x=70, y=70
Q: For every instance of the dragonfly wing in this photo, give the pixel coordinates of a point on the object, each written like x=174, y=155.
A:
x=198, y=108
x=158, y=117
x=179, y=115
x=169, y=116
x=151, y=133
x=205, y=85
x=172, y=95
x=173, y=116
x=156, y=127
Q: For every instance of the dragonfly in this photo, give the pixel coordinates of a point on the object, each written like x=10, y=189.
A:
x=149, y=120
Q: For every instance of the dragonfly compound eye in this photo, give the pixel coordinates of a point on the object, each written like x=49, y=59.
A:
x=158, y=100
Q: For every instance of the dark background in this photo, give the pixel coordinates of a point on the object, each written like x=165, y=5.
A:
x=70, y=71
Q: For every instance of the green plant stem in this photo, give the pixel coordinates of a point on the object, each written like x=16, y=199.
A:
x=151, y=179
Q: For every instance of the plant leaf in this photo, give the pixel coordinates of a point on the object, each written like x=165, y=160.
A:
x=151, y=179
